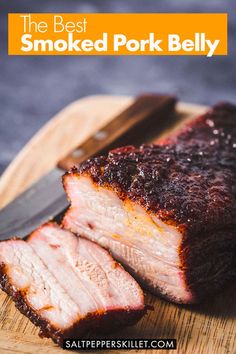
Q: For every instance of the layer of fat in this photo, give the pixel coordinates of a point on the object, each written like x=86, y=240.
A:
x=64, y=278
x=140, y=240
x=86, y=271
x=39, y=288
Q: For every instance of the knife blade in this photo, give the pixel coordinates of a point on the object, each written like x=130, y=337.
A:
x=46, y=198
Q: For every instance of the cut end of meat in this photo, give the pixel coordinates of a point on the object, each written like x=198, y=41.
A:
x=167, y=212
x=146, y=245
x=67, y=285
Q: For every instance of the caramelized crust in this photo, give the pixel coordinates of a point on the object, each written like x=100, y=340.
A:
x=188, y=180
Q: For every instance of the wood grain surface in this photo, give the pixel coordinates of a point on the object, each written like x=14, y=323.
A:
x=207, y=328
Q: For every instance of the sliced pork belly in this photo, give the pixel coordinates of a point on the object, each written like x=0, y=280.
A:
x=68, y=286
x=167, y=211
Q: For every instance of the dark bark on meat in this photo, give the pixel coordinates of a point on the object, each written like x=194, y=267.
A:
x=188, y=181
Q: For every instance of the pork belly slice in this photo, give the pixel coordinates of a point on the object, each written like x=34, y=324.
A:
x=67, y=285
x=167, y=211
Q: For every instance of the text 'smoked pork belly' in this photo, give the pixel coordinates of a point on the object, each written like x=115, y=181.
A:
x=167, y=211
x=67, y=285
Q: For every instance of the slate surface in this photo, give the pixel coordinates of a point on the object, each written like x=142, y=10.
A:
x=33, y=89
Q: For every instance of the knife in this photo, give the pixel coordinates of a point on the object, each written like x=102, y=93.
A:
x=46, y=198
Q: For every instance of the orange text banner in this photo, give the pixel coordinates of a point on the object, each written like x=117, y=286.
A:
x=117, y=34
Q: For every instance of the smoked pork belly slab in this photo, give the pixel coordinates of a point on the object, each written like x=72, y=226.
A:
x=67, y=285
x=167, y=212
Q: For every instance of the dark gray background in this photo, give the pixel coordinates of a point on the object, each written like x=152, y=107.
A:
x=33, y=89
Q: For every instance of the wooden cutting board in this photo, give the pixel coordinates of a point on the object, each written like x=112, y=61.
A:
x=208, y=328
